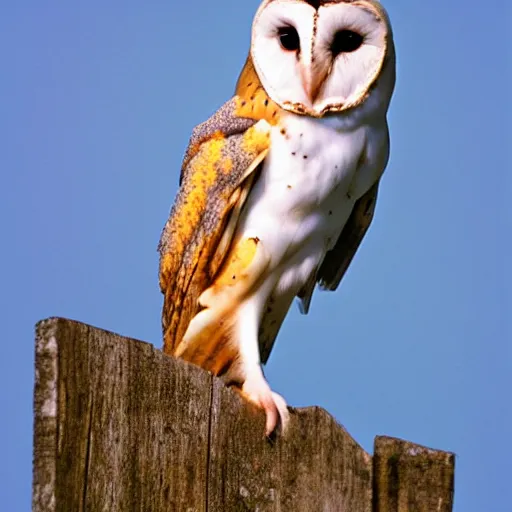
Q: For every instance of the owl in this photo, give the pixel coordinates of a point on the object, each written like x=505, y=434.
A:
x=277, y=188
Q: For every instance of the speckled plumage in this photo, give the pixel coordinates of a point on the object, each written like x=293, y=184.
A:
x=220, y=153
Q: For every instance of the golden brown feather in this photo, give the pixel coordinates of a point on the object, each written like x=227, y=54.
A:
x=222, y=155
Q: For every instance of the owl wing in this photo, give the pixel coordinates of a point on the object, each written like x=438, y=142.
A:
x=217, y=174
x=337, y=260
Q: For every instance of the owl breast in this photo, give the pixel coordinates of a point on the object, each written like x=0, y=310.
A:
x=310, y=180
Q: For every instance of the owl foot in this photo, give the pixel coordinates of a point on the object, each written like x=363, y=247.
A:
x=257, y=391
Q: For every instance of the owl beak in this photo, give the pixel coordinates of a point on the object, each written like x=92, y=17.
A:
x=313, y=76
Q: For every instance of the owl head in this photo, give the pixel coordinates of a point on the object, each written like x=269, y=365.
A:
x=316, y=57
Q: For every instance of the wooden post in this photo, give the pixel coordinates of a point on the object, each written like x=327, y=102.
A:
x=120, y=426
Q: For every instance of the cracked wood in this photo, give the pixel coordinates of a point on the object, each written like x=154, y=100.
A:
x=120, y=426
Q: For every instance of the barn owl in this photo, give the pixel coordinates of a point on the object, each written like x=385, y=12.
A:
x=278, y=187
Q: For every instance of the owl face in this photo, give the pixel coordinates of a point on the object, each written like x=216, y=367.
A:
x=321, y=56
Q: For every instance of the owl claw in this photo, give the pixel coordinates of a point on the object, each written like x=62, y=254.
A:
x=257, y=391
x=282, y=408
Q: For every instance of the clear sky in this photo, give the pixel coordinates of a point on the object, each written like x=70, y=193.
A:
x=98, y=100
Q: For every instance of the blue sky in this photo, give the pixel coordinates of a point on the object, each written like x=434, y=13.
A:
x=98, y=102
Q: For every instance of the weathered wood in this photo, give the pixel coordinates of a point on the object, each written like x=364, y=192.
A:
x=316, y=466
x=409, y=477
x=127, y=428
x=121, y=426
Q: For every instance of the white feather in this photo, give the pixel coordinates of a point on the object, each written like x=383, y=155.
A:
x=309, y=183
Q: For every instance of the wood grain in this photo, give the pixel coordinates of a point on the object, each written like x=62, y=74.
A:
x=120, y=426
x=315, y=466
x=131, y=425
x=411, y=478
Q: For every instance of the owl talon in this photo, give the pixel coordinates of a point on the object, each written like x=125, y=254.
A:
x=282, y=408
x=257, y=391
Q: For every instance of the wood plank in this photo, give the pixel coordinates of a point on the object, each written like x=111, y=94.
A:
x=121, y=426
x=130, y=426
x=410, y=477
x=315, y=466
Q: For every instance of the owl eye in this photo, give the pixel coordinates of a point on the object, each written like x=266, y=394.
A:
x=346, y=41
x=289, y=38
